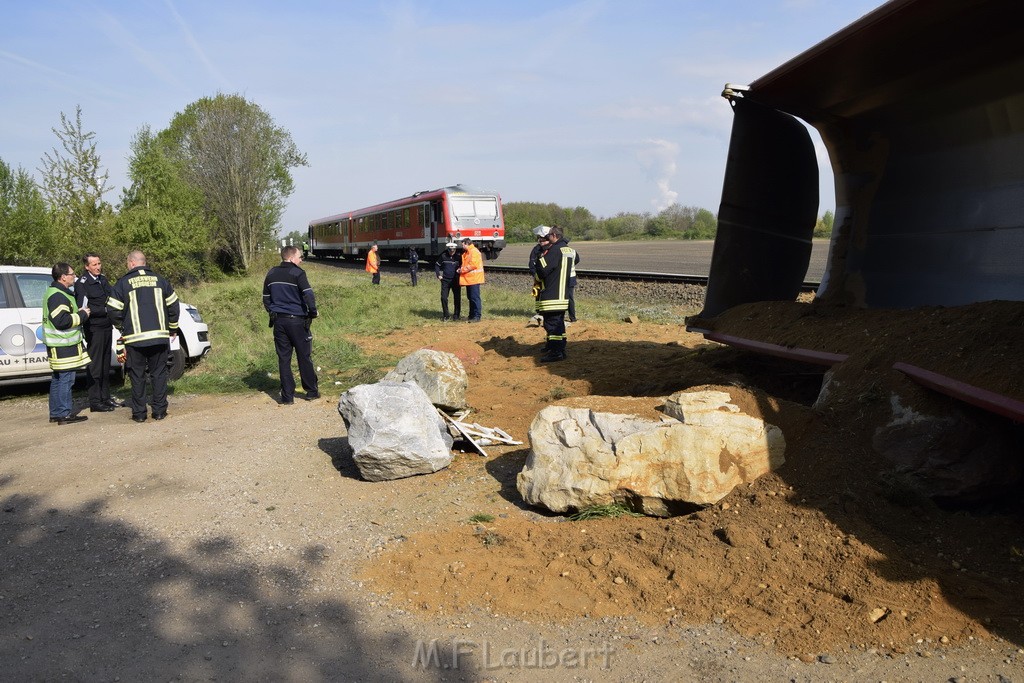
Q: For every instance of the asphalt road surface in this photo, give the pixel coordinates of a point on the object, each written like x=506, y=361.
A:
x=679, y=257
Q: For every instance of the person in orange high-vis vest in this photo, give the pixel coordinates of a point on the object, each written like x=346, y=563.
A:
x=471, y=276
x=373, y=264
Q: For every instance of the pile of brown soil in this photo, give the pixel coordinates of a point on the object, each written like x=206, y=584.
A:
x=980, y=344
x=831, y=551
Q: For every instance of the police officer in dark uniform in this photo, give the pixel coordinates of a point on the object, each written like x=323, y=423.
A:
x=446, y=268
x=289, y=300
x=414, y=265
x=92, y=290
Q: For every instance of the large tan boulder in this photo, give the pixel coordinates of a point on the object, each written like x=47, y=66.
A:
x=579, y=458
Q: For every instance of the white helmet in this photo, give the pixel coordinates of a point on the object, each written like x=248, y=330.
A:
x=542, y=230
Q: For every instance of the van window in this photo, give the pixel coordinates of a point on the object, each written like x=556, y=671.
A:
x=32, y=287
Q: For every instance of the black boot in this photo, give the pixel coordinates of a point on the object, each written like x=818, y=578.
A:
x=556, y=352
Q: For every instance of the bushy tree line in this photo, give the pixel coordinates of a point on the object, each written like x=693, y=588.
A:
x=206, y=194
x=677, y=222
x=673, y=222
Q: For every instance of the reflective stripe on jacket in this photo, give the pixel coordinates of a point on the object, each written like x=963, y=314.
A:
x=144, y=307
x=62, y=330
x=286, y=290
x=552, y=277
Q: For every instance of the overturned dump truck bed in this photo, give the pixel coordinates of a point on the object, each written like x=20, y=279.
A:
x=920, y=105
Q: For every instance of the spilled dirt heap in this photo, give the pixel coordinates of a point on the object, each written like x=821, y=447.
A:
x=832, y=551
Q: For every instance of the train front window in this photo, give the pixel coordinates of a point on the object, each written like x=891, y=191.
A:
x=475, y=208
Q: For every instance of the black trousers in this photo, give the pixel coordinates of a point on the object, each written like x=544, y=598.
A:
x=554, y=325
x=456, y=290
x=291, y=334
x=375, y=280
x=414, y=273
x=151, y=360
x=97, y=340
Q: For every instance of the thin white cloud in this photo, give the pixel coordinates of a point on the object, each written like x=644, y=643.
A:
x=212, y=70
x=65, y=81
x=18, y=59
x=124, y=39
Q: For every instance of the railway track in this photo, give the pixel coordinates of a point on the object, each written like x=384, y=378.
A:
x=673, y=262
x=665, y=278
x=582, y=274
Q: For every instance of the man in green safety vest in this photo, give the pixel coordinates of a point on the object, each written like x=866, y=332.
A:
x=62, y=334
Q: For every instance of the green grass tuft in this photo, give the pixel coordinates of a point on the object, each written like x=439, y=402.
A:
x=598, y=511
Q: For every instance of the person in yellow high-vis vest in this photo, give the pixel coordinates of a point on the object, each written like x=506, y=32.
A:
x=62, y=334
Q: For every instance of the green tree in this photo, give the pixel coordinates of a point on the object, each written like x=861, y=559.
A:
x=522, y=217
x=705, y=226
x=576, y=223
x=26, y=236
x=74, y=183
x=295, y=238
x=823, y=227
x=675, y=219
x=163, y=214
x=625, y=225
x=234, y=153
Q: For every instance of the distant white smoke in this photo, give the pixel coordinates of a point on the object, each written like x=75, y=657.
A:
x=658, y=159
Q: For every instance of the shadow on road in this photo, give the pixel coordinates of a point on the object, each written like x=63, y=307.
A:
x=87, y=598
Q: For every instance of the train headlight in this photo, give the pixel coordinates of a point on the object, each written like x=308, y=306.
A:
x=495, y=235
x=458, y=234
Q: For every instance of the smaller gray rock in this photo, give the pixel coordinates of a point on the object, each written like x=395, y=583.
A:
x=441, y=375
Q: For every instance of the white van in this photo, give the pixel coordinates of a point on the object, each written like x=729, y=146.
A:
x=22, y=352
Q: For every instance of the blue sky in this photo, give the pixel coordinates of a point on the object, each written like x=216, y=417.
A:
x=606, y=104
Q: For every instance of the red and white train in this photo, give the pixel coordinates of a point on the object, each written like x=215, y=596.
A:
x=424, y=221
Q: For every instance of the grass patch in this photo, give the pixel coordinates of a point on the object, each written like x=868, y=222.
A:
x=598, y=511
x=481, y=518
x=558, y=393
x=242, y=358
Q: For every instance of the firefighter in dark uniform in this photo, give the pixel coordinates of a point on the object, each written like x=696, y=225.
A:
x=446, y=268
x=541, y=235
x=92, y=290
x=291, y=304
x=145, y=308
x=551, y=290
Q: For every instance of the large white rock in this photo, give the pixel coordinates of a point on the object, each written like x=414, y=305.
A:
x=394, y=431
x=438, y=373
x=579, y=458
